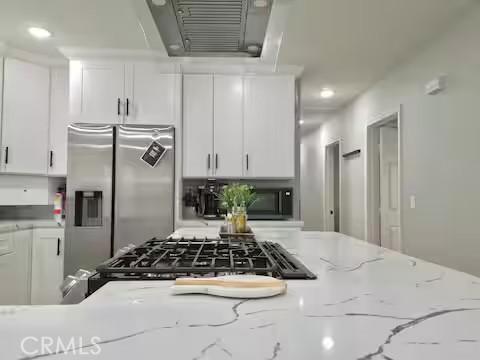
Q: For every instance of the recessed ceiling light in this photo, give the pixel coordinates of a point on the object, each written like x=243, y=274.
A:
x=39, y=33
x=327, y=93
x=174, y=47
x=301, y=122
x=159, y=2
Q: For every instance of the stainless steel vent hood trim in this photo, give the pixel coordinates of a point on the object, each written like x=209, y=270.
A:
x=231, y=28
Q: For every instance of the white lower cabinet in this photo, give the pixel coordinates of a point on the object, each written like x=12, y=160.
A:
x=47, y=266
x=15, y=261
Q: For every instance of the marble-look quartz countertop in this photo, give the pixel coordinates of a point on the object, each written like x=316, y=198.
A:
x=16, y=225
x=367, y=303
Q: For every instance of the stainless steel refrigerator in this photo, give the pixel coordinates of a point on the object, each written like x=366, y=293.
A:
x=120, y=189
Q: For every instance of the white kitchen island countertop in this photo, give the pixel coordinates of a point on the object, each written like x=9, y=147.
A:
x=367, y=303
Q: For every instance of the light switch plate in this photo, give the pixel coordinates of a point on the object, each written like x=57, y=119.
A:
x=413, y=202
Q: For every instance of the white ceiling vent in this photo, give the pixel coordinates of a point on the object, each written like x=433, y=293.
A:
x=212, y=27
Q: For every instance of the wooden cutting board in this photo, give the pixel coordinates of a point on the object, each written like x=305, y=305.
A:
x=234, y=286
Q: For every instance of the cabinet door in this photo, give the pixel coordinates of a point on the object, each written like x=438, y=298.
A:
x=152, y=95
x=47, y=266
x=228, y=126
x=15, y=267
x=25, y=117
x=59, y=121
x=97, y=92
x=269, y=127
x=197, y=125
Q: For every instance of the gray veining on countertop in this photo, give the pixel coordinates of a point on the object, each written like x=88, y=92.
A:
x=367, y=303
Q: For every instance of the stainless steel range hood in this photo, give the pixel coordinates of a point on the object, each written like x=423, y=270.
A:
x=212, y=27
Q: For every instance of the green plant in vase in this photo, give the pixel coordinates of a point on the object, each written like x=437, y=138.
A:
x=236, y=199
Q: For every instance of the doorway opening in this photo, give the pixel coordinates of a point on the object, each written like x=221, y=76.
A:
x=332, y=187
x=384, y=183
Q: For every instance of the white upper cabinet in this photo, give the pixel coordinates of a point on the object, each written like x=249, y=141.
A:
x=198, y=158
x=269, y=127
x=97, y=92
x=151, y=95
x=228, y=126
x=25, y=117
x=59, y=121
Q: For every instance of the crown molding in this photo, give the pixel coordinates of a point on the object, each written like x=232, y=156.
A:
x=187, y=65
x=10, y=51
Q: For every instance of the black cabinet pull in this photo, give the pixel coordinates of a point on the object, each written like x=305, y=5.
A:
x=58, y=246
x=246, y=156
x=216, y=161
x=128, y=107
x=6, y=155
x=51, y=158
x=118, y=107
x=208, y=161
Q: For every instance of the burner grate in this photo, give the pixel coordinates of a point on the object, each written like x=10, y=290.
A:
x=191, y=256
x=169, y=259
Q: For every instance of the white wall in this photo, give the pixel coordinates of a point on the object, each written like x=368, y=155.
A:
x=311, y=170
x=441, y=149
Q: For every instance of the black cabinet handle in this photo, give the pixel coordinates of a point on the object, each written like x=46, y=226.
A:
x=51, y=158
x=208, y=161
x=246, y=156
x=216, y=161
x=118, y=107
x=128, y=107
x=58, y=246
x=6, y=155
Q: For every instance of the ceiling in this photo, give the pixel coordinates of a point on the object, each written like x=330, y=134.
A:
x=350, y=44
x=344, y=44
x=84, y=23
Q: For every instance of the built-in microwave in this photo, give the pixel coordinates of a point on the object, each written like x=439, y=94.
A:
x=272, y=204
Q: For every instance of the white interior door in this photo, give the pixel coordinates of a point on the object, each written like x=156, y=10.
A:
x=389, y=186
x=228, y=125
x=332, y=187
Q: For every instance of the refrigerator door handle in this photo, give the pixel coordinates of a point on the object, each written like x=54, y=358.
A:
x=118, y=106
x=209, y=161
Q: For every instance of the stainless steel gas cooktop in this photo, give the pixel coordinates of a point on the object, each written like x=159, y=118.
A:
x=168, y=259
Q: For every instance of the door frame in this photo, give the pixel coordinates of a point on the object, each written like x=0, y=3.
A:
x=325, y=184
x=372, y=189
